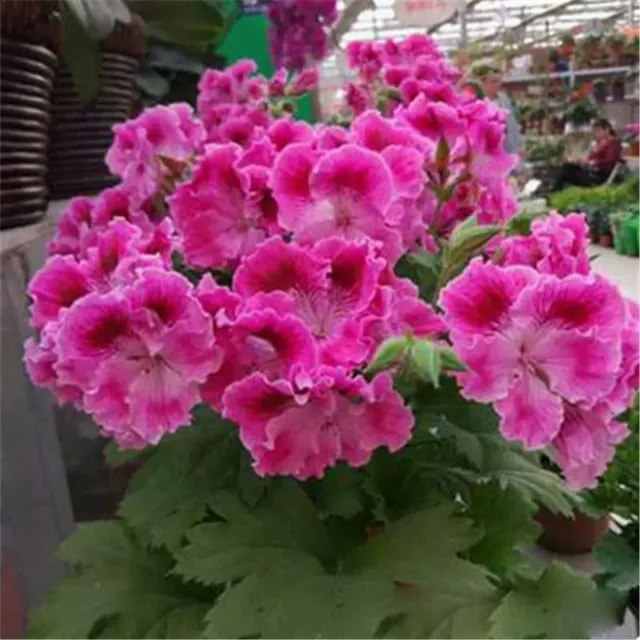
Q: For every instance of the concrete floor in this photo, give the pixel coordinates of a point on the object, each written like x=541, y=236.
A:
x=623, y=270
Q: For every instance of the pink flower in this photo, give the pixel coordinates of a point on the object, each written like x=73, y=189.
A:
x=305, y=81
x=74, y=227
x=557, y=245
x=345, y=192
x=531, y=342
x=161, y=131
x=220, y=211
x=327, y=288
x=139, y=355
x=586, y=443
x=301, y=428
x=284, y=132
x=55, y=288
x=433, y=120
x=278, y=83
x=42, y=363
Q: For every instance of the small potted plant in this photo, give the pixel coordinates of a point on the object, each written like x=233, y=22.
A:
x=631, y=51
x=606, y=234
x=567, y=46
x=618, y=88
x=616, y=44
x=600, y=90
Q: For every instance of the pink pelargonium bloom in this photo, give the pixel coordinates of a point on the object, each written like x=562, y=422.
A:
x=345, y=192
x=531, y=341
x=585, y=444
x=42, y=364
x=304, y=426
x=139, y=144
x=223, y=212
x=328, y=287
x=434, y=120
x=73, y=228
x=140, y=355
x=557, y=245
x=304, y=81
x=55, y=288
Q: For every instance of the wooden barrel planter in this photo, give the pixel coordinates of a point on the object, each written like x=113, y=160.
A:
x=81, y=133
x=27, y=73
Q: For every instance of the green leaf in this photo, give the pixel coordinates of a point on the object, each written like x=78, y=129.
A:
x=521, y=224
x=534, y=485
x=81, y=54
x=169, y=58
x=390, y=352
x=450, y=360
x=434, y=599
x=340, y=493
x=173, y=489
x=152, y=82
x=288, y=601
x=285, y=527
x=116, y=587
x=98, y=17
x=507, y=524
x=560, y=604
x=620, y=560
x=425, y=358
x=466, y=241
x=467, y=443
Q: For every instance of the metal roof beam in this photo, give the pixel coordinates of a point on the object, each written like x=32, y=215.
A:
x=469, y=6
x=536, y=16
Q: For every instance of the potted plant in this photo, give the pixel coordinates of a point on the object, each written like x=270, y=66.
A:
x=600, y=90
x=618, y=88
x=606, y=234
x=580, y=114
x=631, y=51
x=567, y=45
x=312, y=463
x=616, y=42
x=28, y=65
x=617, y=552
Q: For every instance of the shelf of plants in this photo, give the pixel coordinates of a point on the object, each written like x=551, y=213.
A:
x=335, y=354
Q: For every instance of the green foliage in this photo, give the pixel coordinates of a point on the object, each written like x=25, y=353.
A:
x=619, y=560
x=172, y=491
x=604, y=198
x=117, y=587
x=559, y=604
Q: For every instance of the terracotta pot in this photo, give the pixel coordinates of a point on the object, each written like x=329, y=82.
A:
x=606, y=240
x=26, y=84
x=570, y=535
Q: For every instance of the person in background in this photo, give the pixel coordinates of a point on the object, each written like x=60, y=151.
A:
x=594, y=168
x=491, y=86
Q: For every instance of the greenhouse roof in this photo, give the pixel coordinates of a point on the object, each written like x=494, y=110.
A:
x=524, y=21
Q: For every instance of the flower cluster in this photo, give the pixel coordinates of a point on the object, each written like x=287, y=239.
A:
x=237, y=104
x=391, y=73
x=153, y=148
x=298, y=31
x=552, y=346
x=307, y=224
